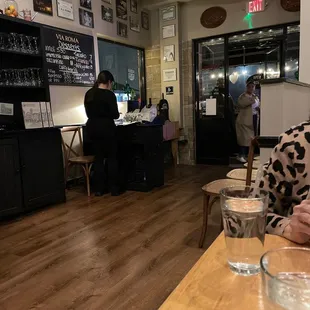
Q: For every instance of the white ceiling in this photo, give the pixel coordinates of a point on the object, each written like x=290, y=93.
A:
x=151, y=4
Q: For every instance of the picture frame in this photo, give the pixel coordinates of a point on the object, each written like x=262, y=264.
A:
x=170, y=75
x=107, y=14
x=86, y=4
x=122, y=30
x=168, y=13
x=134, y=6
x=169, y=53
x=121, y=9
x=43, y=6
x=65, y=9
x=145, y=21
x=134, y=24
x=168, y=31
x=86, y=18
x=107, y=1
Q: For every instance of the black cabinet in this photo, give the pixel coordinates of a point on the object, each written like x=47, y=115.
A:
x=31, y=169
x=10, y=180
x=42, y=167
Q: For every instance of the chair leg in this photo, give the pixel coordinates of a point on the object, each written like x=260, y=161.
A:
x=212, y=203
x=87, y=179
x=206, y=200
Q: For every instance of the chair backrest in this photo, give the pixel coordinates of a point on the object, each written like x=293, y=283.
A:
x=265, y=142
x=68, y=148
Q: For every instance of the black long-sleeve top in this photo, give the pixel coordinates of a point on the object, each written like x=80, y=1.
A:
x=101, y=110
x=101, y=103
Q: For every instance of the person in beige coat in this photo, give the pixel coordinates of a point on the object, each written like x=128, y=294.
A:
x=246, y=123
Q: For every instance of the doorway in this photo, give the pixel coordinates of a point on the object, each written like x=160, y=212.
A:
x=223, y=67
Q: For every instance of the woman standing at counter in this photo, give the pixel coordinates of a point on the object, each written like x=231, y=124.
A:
x=101, y=109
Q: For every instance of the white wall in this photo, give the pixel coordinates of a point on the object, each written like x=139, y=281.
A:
x=191, y=12
x=67, y=102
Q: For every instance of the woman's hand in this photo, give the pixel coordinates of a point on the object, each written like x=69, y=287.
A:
x=298, y=230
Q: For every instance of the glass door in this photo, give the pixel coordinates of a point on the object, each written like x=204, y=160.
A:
x=211, y=106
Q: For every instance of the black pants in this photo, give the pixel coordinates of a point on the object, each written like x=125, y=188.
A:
x=105, y=165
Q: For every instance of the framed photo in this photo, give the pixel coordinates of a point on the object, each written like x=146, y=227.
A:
x=65, y=9
x=43, y=6
x=134, y=6
x=86, y=18
x=145, y=21
x=85, y=4
x=168, y=13
x=169, y=53
x=122, y=30
x=168, y=31
x=134, y=24
x=170, y=75
x=121, y=9
x=107, y=14
x=107, y=1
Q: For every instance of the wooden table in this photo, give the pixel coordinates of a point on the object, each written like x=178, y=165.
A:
x=211, y=285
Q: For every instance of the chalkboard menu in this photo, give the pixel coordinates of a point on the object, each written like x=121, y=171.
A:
x=69, y=57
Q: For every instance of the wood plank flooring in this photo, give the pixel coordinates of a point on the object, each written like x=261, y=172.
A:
x=107, y=253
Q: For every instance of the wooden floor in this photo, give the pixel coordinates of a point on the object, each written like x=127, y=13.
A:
x=125, y=252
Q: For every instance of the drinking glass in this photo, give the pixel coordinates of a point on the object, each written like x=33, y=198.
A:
x=2, y=41
x=36, y=49
x=29, y=45
x=23, y=43
x=13, y=42
x=286, y=277
x=244, y=211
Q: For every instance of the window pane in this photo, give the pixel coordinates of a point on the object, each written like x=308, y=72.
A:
x=292, y=52
x=127, y=66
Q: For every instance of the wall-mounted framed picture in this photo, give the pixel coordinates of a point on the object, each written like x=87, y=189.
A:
x=168, y=31
x=85, y=4
x=170, y=75
x=169, y=53
x=107, y=1
x=134, y=6
x=86, y=18
x=134, y=23
x=43, y=6
x=145, y=21
x=65, y=9
x=107, y=14
x=121, y=9
x=122, y=30
x=168, y=13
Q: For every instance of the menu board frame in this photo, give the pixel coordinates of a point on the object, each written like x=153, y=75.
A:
x=68, y=33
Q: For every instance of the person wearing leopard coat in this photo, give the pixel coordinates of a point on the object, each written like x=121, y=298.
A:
x=287, y=179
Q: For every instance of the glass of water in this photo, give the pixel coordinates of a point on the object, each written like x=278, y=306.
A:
x=244, y=211
x=286, y=277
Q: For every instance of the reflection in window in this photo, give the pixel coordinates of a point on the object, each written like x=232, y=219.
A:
x=292, y=52
x=127, y=66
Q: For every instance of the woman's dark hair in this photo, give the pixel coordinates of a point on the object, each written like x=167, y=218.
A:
x=104, y=77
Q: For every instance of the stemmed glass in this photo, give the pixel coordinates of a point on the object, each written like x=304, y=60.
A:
x=35, y=39
x=23, y=43
x=30, y=47
x=13, y=41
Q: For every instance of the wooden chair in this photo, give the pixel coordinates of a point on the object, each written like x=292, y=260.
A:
x=85, y=162
x=212, y=190
x=241, y=174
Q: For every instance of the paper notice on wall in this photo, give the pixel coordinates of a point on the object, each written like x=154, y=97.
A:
x=6, y=109
x=44, y=114
x=210, y=107
x=32, y=115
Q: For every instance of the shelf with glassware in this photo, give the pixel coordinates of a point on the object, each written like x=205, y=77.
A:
x=21, y=61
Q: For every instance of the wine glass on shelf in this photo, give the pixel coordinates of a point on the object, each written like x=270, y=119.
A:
x=29, y=47
x=13, y=41
x=23, y=43
x=36, y=49
x=39, y=78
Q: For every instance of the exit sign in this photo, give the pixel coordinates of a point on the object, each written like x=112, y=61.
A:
x=256, y=6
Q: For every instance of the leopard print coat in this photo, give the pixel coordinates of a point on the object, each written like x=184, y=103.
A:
x=287, y=176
